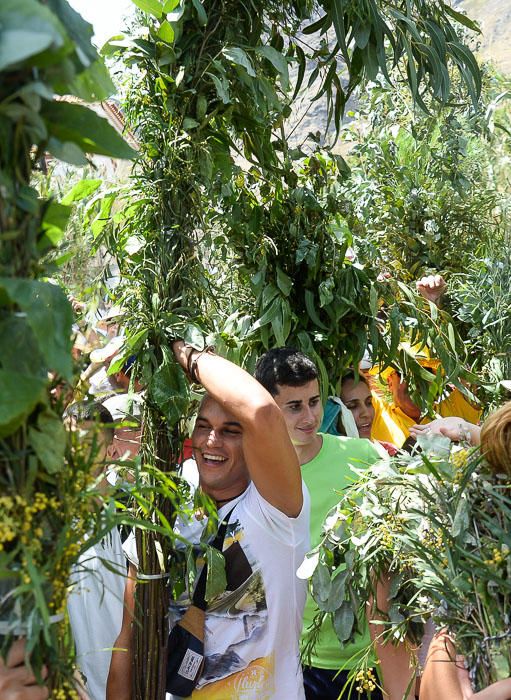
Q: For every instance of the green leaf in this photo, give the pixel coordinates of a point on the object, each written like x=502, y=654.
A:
x=461, y=18
x=152, y=7
x=321, y=583
x=326, y=292
x=343, y=621
x=308, y=565
x=216, y=581
x=302, y=65
x=277, y=325
x=54, y=223
x=269, y=293
x=201, y=13
x=279, y=62
x=452, y=337
x=81, y=190
x=338, y=22
x=27, y=28
x=67, y=151
x=194, y=336
x=240, y=58
x=461, y=518
x=361, y=33
x=48, y=440
x=337, y=592
x=168, y=389
x=93, y=84
x=469, y=68
x=268, y=315
x=170, y=5
x=373, y=301
x=18, y=44
x=103, y=218
x=80, y=31
x=221, y=87
x=18, y=347
x=38, y=582
x=166, y=32
x=311, y=310
x=50, y=317
x=189, y=123
x=19, y=395
x=79, y=125
x=284, y=282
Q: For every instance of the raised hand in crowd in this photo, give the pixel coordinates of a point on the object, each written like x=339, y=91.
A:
x=432, y=287
x=455, y=428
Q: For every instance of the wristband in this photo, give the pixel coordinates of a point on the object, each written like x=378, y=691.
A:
x=192, y=360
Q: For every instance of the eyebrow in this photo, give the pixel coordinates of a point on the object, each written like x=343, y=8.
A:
x=297, y=402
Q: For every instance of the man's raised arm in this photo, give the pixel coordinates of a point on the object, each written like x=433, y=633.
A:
x=269, y=454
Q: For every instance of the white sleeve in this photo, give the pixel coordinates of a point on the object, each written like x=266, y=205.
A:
x=291, y=531
x=130, y=549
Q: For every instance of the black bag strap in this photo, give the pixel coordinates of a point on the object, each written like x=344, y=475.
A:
x=198, y=598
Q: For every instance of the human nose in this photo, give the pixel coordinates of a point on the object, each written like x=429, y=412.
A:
x=310, y=414
x=365, y=411
x=214, y=438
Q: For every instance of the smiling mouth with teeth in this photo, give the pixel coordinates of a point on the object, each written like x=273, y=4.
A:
x=213, y=458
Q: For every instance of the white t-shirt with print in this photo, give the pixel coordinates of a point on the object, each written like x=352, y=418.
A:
x=252, y=629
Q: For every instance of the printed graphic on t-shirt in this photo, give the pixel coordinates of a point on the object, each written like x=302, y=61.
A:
x=255, y=681
x=236, y=632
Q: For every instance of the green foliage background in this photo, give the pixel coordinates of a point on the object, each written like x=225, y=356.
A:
x=45, y=510
x=225, y=234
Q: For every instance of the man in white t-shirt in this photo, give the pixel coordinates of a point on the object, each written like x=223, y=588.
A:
x=248, y=465
x=97, y=581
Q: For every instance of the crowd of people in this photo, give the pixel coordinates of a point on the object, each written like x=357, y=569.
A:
x=273, y=458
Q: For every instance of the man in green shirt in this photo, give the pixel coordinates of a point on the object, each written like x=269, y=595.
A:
x=292, y=379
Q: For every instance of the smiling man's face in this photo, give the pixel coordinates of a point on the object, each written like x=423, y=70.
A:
x=217, y=441
x=302, y=410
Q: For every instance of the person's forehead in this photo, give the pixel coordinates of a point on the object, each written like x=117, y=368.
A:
x=127, y=433
x=212, y=411
x=304, y=393
x=351, y=388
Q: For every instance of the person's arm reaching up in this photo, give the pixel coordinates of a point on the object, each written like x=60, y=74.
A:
x=269, y=454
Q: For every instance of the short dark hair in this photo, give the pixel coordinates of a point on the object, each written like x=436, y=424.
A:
x=284, y=366
x=93, y=411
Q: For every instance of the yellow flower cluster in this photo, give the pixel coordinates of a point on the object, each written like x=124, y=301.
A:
x=499, y=555
x=459, y=458
x=6, y=503
x=366, y=680
x=386, y=537
x=7, y=532
x=66, y=692
x=432, y=539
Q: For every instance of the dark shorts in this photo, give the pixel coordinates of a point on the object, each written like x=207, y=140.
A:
x=322, y=684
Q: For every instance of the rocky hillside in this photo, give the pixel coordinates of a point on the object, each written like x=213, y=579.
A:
x=494, y=18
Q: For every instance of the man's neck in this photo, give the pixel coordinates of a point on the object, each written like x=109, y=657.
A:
x=307, y=452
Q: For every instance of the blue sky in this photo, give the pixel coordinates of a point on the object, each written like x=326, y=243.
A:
x=106, y=16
